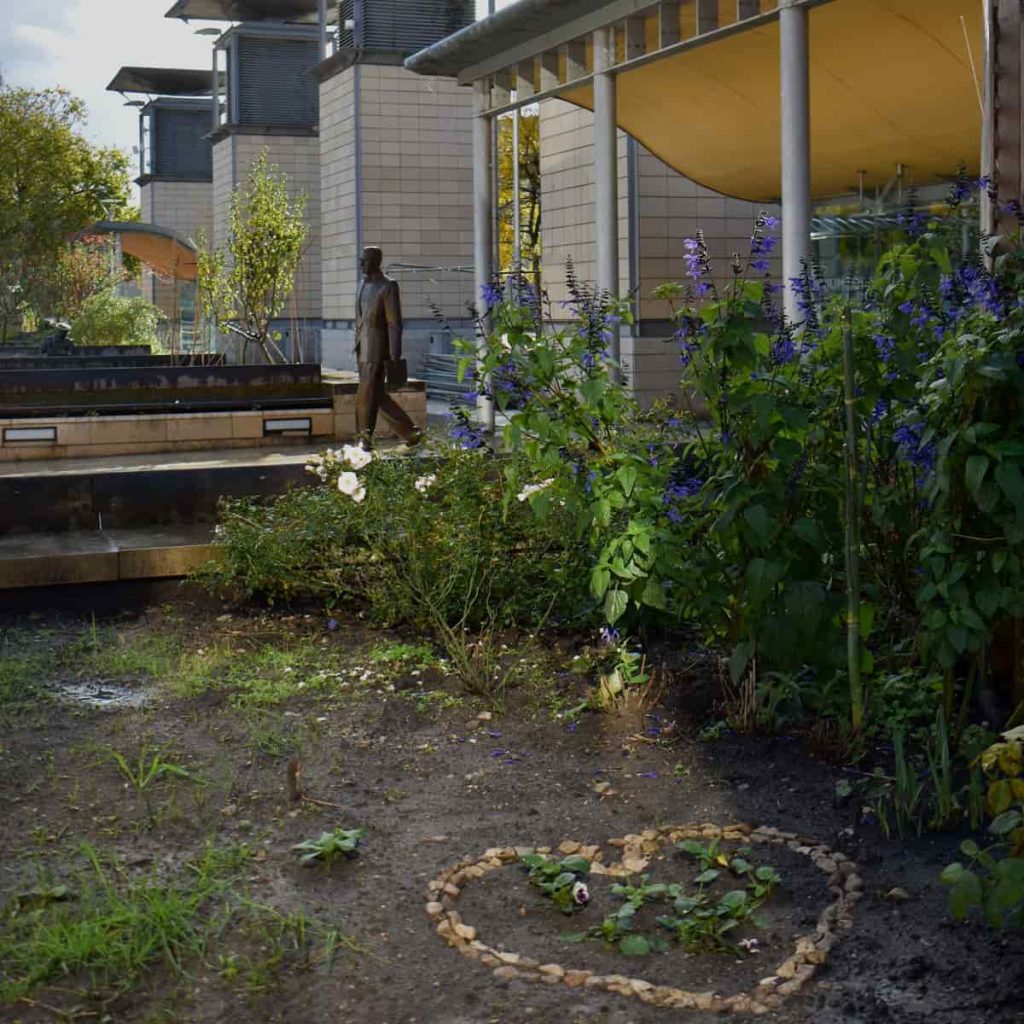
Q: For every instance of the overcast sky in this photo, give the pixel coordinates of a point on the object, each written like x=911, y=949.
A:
x=80, y=44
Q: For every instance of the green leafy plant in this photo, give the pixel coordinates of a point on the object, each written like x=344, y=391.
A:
x=107, y=318
x=564, y=882
x=246, y=284
x=329, y=846
x=993, y=878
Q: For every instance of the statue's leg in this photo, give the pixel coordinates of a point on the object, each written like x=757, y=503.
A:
x=371, y=387
x=398, y=418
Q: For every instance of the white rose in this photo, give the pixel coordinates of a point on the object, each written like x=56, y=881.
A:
x=358, y=495
x=356, y=457
x=530, y=489
x=348, y=483
x=425, y=483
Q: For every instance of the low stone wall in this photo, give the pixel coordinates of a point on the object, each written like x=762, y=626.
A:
x=328, y=416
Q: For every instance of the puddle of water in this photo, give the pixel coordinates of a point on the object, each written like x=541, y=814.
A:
x=101, y=694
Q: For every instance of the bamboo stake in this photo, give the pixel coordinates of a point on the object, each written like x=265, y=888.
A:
x=853, y=645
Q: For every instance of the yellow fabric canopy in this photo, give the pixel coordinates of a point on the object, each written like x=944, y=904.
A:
x=162, y=250
x=891, y=82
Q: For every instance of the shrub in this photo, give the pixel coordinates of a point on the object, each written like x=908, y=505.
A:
x=109, y=319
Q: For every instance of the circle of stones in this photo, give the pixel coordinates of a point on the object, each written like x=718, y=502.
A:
x=811, y=950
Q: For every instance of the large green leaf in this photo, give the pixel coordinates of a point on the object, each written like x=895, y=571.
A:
x=615, y=603
x=974, y=472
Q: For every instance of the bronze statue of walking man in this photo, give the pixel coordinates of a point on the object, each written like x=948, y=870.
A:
x=379, y=351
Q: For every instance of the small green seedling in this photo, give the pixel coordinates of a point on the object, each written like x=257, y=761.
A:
x=149, y=768
x=563, y=882
x=329, y=846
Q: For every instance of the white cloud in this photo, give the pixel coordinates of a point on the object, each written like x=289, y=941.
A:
x=80, y=44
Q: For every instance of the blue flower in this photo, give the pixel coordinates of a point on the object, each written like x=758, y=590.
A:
x=886, y=346
x=906, y=307
x=492, y=295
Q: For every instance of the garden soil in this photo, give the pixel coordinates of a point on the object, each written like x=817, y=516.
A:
x=432, y=786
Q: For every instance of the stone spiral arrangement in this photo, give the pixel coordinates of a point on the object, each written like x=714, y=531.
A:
x=810, y=952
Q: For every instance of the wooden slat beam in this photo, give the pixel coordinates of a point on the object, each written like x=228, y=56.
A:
x=636, y=45
x=549, y=78
x=526, y=82
x=575, y=60
x=668, y=23
x=707, y=16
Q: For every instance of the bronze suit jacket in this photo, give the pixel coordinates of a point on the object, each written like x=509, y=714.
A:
x=378, y=307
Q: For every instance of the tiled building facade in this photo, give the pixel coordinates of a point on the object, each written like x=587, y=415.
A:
x=396, y=171
x=658, y=209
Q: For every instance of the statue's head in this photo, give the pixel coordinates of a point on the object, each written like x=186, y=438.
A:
x=371, y=260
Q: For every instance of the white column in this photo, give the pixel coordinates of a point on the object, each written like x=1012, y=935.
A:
x=215, y=86
x=483, y=213
x=987, y=209
x=606, y=172
x=796, y=145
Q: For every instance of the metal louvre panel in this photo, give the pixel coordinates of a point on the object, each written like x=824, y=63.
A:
x=346, y=13
x=276, y=82
x=411, y=25
x=180, y=149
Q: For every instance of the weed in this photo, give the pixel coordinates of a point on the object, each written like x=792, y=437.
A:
x=114, y=929
x=329, y=846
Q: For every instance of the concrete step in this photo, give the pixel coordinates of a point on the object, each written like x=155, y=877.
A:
x=102, y=556
x=135, y=491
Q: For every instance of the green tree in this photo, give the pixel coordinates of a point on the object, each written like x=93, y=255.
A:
x=53, y=183
x=245, y=284
x=83, y=269
x=529, y=194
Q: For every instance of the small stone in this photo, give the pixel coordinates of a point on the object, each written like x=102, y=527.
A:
x=556, y=970
x=469, y=952
x=788, y=969
x=639, y=986
x=435, y=839
x=595, y=981
x=465, y=931
x=544, y=849
x=590, y=852
x=573, y=979
x=568, y=846
x=229, y=811
x=474, y=871
x=827, y=865
x=444, y=929
x=703, y=1000
x=484, y=716
x=854, y=897
x=505, y=973
x=489, y=960
x=435, y=885
x=897, y=895
x=434, y=911
x=635, y=865
x=524, y=851
x=854, y=883
x=450, y=890
x=509, y=958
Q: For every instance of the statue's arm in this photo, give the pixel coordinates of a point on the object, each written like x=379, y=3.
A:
x=393, y=308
